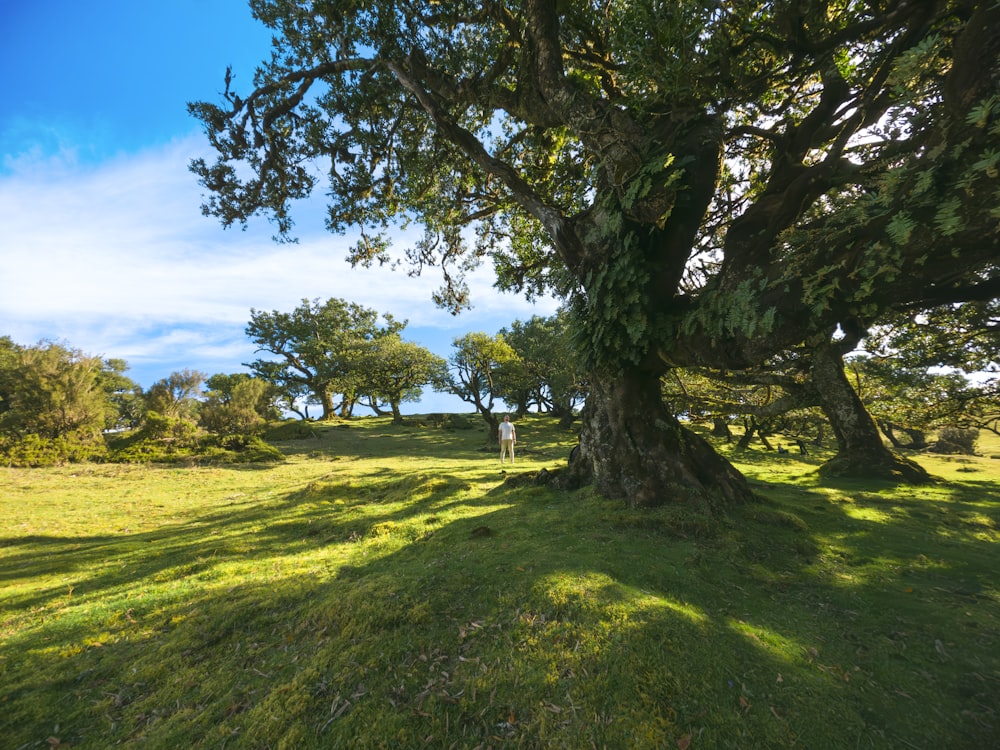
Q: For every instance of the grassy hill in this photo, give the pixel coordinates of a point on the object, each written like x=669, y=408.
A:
x=389, y=586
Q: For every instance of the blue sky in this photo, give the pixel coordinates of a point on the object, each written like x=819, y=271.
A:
x=102, y=242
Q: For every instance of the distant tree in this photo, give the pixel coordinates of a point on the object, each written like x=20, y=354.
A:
x=176, y=396
x=547, y=374
x=318, y=348
x=8, y=363
x=909, y=403
x=393, y=371
x=237, y=405
x=124, y=394
x=927, y=368
x=776, y=397
x=54, y=392
x=473, y=373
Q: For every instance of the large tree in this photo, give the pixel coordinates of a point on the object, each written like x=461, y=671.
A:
x=319, y=348
x=711, y=183
x=546, y=375
x=473, y=373
x=394, y=371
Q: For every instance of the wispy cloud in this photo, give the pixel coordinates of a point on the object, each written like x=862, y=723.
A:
x=117, y=260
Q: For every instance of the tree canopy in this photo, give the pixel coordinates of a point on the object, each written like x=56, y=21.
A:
x=320, y=348
x=709, y=183
x=474, y=372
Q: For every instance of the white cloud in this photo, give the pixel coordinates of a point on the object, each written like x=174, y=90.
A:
x=118, y=260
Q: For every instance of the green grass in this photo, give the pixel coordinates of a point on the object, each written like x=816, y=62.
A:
x=384, y=587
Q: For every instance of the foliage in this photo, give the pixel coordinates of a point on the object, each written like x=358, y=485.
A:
x=32, y=449
x=125, y=396
x=709, y=184
x=915, y=398
x=474, y=373
x=8, y=363
x=393, y=371
x=178, y=395
x=956, y=336
x=237, y=405
x=55, y=392
x=60, y=406
x=385, y=586
x=319, y=349
x=588, y=155
x=546, y=374
x=289, y=429
x=54, y=406
x=164, y=439
x=956, y=440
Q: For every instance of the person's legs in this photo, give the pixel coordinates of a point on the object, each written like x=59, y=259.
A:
x=506, y=446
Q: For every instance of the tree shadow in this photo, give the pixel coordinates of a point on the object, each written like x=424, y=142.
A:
x=541, y=618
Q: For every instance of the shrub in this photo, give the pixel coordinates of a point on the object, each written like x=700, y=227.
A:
x=292, y=429
x=960, y=440
x=35, y=450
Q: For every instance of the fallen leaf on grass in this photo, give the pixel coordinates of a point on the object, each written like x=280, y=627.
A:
x=684, y=742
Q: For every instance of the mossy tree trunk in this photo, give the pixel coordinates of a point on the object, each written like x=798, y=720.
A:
x=860, y=450
x=636, y=449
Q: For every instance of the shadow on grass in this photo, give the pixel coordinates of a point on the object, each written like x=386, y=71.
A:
x=822, y=617
x=317, y=515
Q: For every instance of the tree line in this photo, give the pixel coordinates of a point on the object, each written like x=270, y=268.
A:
x=59, y=404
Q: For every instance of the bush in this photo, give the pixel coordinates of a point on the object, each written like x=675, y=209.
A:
x=177, y=431
x=292, y=429
x=961, y=440
x=238, y=450
x=34, y=450
x=208, y=449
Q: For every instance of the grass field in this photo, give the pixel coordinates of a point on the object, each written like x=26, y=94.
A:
x=385, y=587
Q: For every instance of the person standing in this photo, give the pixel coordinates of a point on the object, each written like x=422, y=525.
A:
x=507, y=436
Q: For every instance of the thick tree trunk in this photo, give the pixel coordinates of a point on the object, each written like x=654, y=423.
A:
x=860, y=450
x=888, y=429
x=749, y=428
x=720, y=429
x=326, y=403
x=638, y=451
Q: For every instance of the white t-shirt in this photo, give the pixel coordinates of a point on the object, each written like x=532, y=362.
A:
x=506, y=431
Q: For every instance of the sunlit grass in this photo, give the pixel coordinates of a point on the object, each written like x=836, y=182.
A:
x=384, y=587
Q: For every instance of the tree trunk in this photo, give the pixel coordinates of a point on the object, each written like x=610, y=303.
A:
x=749, y=428
x=397, y=415
x=888, y=429
x=492, y=427
x=860, y=450
x=638, y=451
x=347, y=404
x=326, y=402
x=720, y=429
